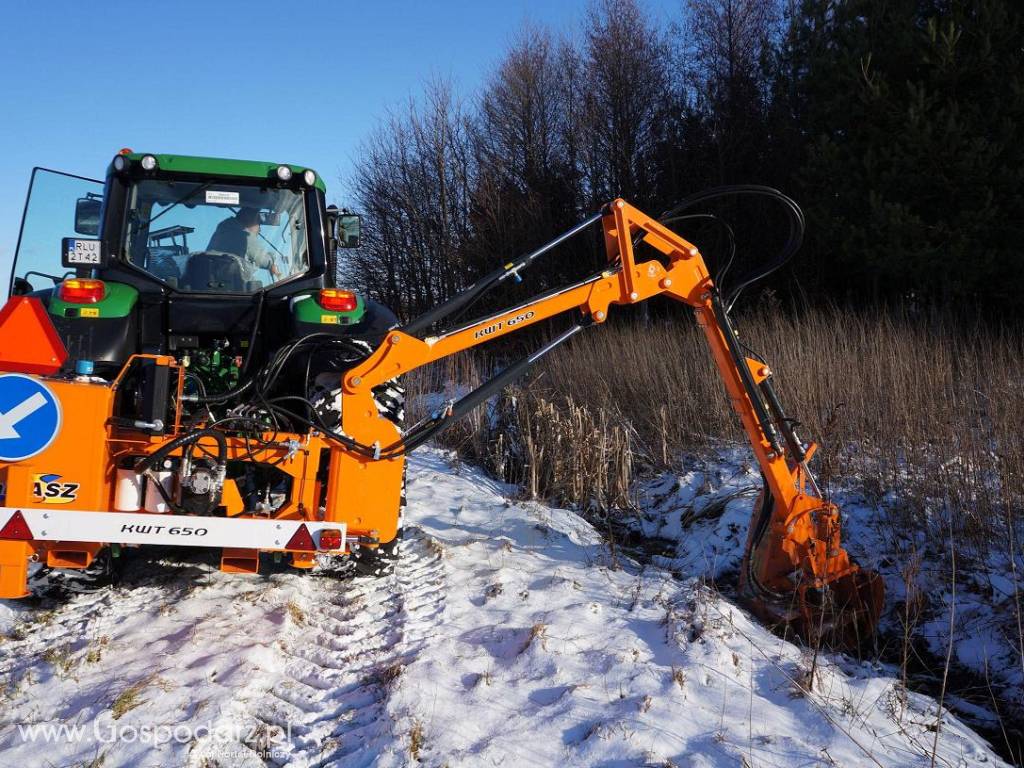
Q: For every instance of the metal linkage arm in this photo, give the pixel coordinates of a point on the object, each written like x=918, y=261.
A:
x=624, y=282
x=794, y=544
x=486, y=283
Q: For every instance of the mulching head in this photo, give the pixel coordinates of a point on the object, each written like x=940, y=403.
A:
x=843, y=615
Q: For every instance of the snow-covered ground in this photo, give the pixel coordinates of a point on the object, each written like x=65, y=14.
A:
x=509, y=635
x=700, y=518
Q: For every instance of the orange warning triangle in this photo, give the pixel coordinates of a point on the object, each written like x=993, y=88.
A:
x=28, y=341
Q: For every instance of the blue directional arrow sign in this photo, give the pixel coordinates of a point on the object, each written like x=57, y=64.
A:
x=29, y=417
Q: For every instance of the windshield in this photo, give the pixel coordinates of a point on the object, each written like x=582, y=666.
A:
x=211, y=237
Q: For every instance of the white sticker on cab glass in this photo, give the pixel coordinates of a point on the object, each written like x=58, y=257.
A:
x=221, y=197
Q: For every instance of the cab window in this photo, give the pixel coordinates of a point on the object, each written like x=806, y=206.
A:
x=209, y=237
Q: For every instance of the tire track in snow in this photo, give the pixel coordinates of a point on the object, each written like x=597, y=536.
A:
x=320, y=698
x=63, y=619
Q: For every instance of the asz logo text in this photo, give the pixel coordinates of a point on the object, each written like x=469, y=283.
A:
x=511, y=322
x=50, y=489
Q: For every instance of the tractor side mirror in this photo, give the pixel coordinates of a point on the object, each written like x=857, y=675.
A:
x=87, y=216
x=346, y=230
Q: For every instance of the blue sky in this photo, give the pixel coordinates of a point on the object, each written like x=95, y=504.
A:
x=299, y=82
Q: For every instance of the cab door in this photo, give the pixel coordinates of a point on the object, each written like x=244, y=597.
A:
x=58, y=205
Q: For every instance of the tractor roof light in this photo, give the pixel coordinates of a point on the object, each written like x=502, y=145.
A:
x=309, y=177
x=148, y=163
x=284, y=173
x=79, y=290
x=338, y=300
x=120, y=162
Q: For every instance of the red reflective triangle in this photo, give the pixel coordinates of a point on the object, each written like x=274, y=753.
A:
x=301, y=541
x=28, y=341
x=16, y=528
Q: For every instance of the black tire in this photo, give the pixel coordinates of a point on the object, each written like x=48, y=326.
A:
x=381, y=561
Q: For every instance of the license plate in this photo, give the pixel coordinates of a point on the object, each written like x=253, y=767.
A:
x=81, y=252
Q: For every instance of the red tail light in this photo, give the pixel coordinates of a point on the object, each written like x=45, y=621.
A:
x=338, y=300
x=330, y=538
x=82, y=291
x=16, y=528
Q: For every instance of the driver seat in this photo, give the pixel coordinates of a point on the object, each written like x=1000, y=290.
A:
x=213, y=273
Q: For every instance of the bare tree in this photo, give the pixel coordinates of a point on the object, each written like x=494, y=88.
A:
x=628, y=84
x=729, y=38
x=725, y=44
x=528, y=188
x=413, y=183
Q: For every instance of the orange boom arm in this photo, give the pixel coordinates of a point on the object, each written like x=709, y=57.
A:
x=795, y=568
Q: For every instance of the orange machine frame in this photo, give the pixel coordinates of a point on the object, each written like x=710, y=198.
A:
x=76, y=455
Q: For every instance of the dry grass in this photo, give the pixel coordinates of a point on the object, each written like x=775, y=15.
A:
x=679, y=676
x=925, y=412
x=386, y=676
x=96, y=649
x=128, y=699
x=60, y=658
x=552, y=448
x=921, y=408
x=538, y=634
x=561, y=449
x=416, y=740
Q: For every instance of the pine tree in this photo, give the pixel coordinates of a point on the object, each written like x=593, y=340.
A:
x=912, y=116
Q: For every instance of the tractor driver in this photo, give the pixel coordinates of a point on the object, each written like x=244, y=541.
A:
x=240, y=235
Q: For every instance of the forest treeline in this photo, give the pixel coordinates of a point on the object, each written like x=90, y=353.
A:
x=896, y=124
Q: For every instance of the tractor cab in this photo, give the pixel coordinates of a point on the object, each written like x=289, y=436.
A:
x=191, y=225
x=173, y=255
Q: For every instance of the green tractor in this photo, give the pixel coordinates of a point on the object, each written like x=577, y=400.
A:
x=203, y=337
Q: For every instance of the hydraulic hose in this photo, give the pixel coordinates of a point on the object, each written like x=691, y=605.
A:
x=255, y=332
x=462, y=300
x=155, y=458
x=760, y=412
x=793, y=242
x=223, y=397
